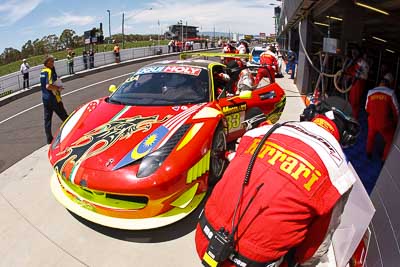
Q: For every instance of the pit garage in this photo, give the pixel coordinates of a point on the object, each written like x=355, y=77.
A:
x=328, y=30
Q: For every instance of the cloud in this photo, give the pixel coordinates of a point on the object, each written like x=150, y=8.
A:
x=12, y=11
x=71, y=20
x=228, y=15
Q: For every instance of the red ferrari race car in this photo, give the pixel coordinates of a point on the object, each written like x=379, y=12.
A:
x=145, y=156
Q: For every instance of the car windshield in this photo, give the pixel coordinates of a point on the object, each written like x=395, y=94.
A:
x=156, y=87
x=257, y=53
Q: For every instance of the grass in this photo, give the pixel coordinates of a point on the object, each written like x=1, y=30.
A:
x=37, y=60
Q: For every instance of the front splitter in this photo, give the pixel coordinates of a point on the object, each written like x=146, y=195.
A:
x=161, y=220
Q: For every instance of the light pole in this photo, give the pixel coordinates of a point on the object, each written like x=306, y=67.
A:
x=182, y=31
x=123, y=32
x=109, y=24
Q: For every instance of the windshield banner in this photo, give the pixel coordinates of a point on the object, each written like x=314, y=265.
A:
x=170, y=69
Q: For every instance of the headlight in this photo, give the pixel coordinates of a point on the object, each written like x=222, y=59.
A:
x=153, y=161
x=56, y=140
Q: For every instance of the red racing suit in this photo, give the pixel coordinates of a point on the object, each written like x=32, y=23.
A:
x=306, y=178
x=359, y=72
x=228, y=49
x=269, y=60
x=383, y=114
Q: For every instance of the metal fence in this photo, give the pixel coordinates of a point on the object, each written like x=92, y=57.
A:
x=14, y=82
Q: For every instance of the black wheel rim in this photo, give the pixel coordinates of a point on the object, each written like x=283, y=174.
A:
x=218, y=160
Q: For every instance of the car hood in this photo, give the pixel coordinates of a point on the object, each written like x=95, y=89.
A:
x=104, y=136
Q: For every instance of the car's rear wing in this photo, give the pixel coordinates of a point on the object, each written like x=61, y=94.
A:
x=186, y=55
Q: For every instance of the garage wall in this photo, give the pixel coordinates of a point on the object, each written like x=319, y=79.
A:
x=384, y=249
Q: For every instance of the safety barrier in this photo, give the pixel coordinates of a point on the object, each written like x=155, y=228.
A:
x=13, y=82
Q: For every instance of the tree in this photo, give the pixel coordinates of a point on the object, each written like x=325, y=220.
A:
x=67, y=38
x=78, y=41
x=50, y=42
x=39, y=47
x=28, y=49
x=10, y=55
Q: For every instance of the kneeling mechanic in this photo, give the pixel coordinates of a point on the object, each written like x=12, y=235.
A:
x=284, y=207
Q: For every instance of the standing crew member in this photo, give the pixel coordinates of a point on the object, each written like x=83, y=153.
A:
x=269, y=65
x=25, y=72
x=359, y=75
x=383, y=114
x=288, y=203
x=51, y=96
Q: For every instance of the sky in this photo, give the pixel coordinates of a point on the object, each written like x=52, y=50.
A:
x=23, y=20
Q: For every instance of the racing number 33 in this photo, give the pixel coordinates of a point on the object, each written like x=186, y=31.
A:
x=233, y=121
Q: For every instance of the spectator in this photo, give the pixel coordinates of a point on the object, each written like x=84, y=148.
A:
x=292, y=61
x=25, y=72
x=206, y=44
x=174, y=43
x=116, y=53
x=280, y=59
x=91, y=58
x=289, y=54
x=383, y=114
x=85, y=59
x=170, y=45
x=70, y=61
x=51, y=96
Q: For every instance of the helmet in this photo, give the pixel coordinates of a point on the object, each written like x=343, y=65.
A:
x=334, y=115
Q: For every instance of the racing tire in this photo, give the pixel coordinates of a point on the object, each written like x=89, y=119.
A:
x=218, y=161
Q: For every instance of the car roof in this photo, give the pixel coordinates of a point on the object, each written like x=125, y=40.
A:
x=190, y=62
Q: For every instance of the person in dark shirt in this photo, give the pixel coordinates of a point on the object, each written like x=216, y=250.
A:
x=51, y=96
x=91, y=58
x=85, y=59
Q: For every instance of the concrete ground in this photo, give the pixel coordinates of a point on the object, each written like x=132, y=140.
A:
x=35, y=230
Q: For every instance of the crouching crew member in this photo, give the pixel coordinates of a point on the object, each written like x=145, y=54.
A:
x=283, y=209
x=383, y=114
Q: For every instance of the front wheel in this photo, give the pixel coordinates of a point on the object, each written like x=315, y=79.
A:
x=218, y=161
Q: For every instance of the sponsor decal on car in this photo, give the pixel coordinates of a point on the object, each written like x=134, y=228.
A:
x=233, y=109
x=154, y=69
x=168, y=69
x=145, y=147
x=183, y=70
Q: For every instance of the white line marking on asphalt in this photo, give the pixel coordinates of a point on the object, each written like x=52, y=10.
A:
x=74, y=91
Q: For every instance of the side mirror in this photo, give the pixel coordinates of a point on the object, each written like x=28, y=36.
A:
x=112, y=88
x=245, y=94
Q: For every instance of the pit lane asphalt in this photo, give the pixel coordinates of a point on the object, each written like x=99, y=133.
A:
x=23, y=134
